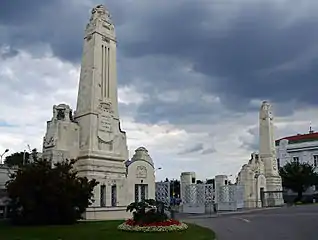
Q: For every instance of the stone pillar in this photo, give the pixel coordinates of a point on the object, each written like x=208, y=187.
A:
x=220, y=180
x=268, y=155
x=186, y=179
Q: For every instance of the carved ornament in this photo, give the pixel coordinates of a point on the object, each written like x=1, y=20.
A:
x=105, y=122
x=89, y=37
x=48, y=142
x=105, y=39
x=141, y=172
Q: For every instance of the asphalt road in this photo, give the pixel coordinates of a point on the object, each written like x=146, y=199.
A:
x=287, y=223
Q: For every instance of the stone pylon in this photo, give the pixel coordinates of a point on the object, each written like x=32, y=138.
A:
x=102, y=144
x=97, y=103
x=267, y=154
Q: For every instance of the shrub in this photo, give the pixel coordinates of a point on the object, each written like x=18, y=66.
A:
x=42, y=194
x=148, y=211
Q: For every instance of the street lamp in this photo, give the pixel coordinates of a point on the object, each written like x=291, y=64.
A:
x=5, y=151
x=158, y=169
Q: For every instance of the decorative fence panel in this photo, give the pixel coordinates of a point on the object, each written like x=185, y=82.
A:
x=230, y=197
x=163, y=192
x=196, y=198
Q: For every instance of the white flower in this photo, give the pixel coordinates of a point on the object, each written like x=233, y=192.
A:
x=171, y=228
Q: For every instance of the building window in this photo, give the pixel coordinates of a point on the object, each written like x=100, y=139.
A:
x=114, y=195
x=141, y=192
x=296, y=159
x=103, y=196
x=193, y=180
x=315, y=160
x=136, y=192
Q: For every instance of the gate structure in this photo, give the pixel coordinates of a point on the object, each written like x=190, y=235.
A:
x=163, y=192
x=230, y=197
x=197, y=198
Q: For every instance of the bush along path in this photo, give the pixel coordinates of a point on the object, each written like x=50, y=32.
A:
x=149, y=216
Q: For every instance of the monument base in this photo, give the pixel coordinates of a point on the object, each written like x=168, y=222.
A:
x=252, y=203
x=274, y=201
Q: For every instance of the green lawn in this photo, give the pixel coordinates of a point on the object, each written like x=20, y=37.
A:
x=96, y=231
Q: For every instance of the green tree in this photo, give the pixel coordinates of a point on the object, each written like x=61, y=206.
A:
x=210, y=181
x=298, y=177
x=16, y=159
x=40, y=194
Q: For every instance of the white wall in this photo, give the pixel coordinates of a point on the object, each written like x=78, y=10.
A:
x=4, y=177
x=136, y=177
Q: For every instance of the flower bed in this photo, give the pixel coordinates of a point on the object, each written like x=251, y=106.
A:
x=166, y=226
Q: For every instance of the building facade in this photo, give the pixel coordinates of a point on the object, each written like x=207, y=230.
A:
x=300, y=147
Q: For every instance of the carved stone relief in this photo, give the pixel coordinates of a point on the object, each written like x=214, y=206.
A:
x=48, y=142
x=105, y=146
x=62, y=112
x=141, y=172
x=89, y=37
x=274, y=162
x=105, y=39
x=105, y=126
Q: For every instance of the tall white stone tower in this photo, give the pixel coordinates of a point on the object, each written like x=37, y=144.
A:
x=92, y=135
x=102, y=144
x=97, y=104
x=268, y=156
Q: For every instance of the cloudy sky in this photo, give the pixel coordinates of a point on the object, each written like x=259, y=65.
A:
x=191, y=74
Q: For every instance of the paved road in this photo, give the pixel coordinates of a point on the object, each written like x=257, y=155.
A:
x=287, y=223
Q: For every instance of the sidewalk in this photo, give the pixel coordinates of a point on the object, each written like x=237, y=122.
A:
x=213, y=215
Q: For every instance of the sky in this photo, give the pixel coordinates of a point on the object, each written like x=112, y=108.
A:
x=192, y=74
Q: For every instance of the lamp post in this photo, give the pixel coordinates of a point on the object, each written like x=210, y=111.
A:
x=159, y=168
x=5, y=151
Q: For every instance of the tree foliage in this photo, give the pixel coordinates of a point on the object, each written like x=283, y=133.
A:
x=42, y=194
x=298, y=177
x=16, y=159
x=210, y=181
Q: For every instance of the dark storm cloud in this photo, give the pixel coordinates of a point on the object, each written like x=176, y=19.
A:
x=54, y=22
x=256, y=57
x=243, y=50
x=58, y=23
x=196, y=148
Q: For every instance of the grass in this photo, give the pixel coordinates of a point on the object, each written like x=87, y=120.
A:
x=96, y=231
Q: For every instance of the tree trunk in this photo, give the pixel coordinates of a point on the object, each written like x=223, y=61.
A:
x=299, y=196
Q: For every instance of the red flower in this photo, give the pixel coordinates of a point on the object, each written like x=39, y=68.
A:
x=167, y=223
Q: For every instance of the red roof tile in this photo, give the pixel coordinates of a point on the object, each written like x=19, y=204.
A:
x=300, y=137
